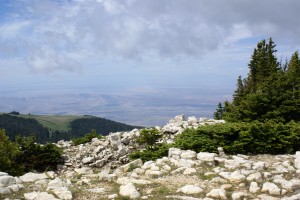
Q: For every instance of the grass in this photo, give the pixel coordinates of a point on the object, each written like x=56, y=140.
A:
x=54, y=122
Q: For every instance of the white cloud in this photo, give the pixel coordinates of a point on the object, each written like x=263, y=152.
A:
x=133, y=29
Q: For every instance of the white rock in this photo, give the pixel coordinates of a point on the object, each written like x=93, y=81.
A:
x=166, y=167
x=235, y=176
x=6, y=180
x=16, y=187
x=238, y=195
x=50, y=174
x=5, y=191
x=153, y=173
x=254, y=177
x=260, y=165
x=62, y=193
x=129, y=190
x=290, y=185
x=271, y=188
x=190, y=189
x=39, y=196
x=88, y=160
x=112, y=196
x=253, y=188
x=267, y=197
x=83, y=170
x=217, y=193
x=134, y=164
x=174, y=153
x=3, y=174
x=190, y=171
x=32, y=177
x=207, y=157
x=221, y=152
x=293, y=197
x=297, y=160
x=188, y=154
x=56, y=183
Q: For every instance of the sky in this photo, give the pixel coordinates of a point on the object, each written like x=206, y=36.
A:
x=136, y=61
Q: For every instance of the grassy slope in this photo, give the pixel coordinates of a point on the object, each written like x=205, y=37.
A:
x=55, y=122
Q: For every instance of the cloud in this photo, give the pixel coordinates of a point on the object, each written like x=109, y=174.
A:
x=51, y=31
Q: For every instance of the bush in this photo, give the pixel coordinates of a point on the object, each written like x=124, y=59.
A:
x=255, y=137
x=87, y=138
x=159, y=151
x=149, y=137
x=38, y=157
x=9, y=152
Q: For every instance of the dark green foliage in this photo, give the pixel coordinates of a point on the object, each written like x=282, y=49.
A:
x=255, y=138
x=9, y=152
x=87, y=138
x=149, y=137
x=38, y=157
x=219, y=112
x=25, y=155
x=15, y=125
x=153, y=149
x=14, y=113
x=158, y=151
x=79, y=127
x=270, y=92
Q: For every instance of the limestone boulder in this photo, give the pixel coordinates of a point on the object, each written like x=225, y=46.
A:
x=129, y=190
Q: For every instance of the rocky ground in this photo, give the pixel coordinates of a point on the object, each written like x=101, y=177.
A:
x=100, y=170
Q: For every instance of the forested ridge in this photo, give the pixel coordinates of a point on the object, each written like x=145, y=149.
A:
x=17, y=125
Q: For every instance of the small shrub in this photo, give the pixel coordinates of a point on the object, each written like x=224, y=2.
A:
x=87, y=138
x=149, y=137
x=9, y=152
x=38, y=157
x=159, y=151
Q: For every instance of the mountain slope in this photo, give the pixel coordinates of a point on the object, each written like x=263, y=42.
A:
x=51, y=128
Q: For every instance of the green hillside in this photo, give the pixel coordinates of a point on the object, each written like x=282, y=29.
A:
x=52, y=128
x=55, y=122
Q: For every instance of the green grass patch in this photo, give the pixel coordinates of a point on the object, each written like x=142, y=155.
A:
x=55, y=122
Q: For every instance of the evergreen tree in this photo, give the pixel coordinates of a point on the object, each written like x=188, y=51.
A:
x=269, y=91
x=239, y=92
x=219, y=112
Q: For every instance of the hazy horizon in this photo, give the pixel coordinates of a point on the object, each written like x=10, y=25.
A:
x=137, y=62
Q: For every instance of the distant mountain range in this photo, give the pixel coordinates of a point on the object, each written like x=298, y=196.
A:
x=52, y=128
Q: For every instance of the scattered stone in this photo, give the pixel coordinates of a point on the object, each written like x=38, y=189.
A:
x=271, y=188
x=254, y=187
x=217, y=193
x=190, y=171
x=39, y=196
x=207, y=157
x=83, y=170
x=238, y=195
x=190, y=189
x=32, y=177
x=129, y=190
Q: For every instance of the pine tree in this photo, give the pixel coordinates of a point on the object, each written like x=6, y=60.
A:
x=219, y=112
x=269, y=92
x=239, y=92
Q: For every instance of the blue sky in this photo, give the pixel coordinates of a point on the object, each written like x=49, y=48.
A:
x=147, y=53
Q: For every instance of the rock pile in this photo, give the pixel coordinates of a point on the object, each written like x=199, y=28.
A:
x=101, y=170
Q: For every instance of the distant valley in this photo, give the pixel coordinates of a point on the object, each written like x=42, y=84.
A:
x=52, y=128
